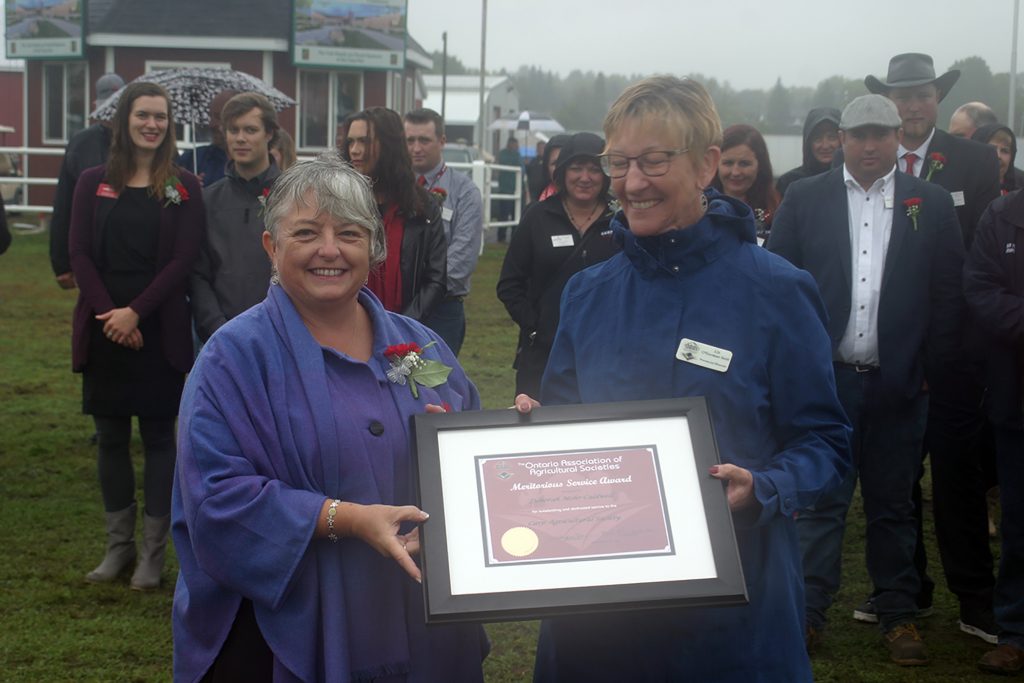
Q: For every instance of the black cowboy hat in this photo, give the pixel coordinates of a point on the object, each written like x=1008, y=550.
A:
x=909, y=70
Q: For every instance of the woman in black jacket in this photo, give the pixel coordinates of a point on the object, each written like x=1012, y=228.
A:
x=413, y=278
x=994, y=288
x=555, y=239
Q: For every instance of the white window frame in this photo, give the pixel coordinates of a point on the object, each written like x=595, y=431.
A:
x=332, y=95
x=163, y=64
x=63, y=140
x=410, y=95
x=395, y=91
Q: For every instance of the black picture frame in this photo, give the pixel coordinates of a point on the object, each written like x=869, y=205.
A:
x=461, y=584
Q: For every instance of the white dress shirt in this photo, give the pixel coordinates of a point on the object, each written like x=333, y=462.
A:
x=870, y=227
x=921, y=152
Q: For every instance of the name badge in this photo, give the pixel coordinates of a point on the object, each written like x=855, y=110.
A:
x=446, y=213
x=958, y=198
x=704, y=355
x=888, y=202
x=561, y=241
x=107, y=191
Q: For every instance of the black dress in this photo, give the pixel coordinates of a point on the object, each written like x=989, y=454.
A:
x=118, y=381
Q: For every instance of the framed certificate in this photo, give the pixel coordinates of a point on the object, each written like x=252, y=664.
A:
x=573, y=509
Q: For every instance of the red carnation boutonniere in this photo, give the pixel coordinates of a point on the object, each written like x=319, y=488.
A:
x=262, y=199
x=936, y=162
x=174, y=192
x=439, y=193
x=913, y=209
x=409, y=367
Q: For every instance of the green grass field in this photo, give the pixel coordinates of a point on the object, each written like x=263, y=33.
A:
x=55, y=627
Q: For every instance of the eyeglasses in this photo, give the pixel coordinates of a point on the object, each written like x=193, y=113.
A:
x=651, y=164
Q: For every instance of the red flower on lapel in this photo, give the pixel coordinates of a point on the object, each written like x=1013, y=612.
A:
x=913, y=209
x=174, y=192
x=262, y=199
x=936, y=162
x=408, y=367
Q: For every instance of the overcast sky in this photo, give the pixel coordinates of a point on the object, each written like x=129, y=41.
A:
x=749, y=43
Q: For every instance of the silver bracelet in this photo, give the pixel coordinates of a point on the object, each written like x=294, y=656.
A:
x=332, y=511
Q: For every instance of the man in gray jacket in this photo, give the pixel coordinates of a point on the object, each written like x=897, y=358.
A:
x=232, y=272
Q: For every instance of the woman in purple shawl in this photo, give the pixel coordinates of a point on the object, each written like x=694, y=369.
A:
x=292, y=512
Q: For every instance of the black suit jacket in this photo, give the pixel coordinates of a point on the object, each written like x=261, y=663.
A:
x=921, y=304
x=972, y=168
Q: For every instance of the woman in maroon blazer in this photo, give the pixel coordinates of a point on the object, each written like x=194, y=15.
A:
x=136, y=227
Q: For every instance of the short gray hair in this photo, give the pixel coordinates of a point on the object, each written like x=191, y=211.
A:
x=979, y=113
x=334, y=188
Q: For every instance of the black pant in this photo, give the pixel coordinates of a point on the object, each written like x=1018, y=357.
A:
x=114, y=462
x=960, y=443
x=245, y=655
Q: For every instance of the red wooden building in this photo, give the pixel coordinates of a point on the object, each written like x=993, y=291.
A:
x=132, y=37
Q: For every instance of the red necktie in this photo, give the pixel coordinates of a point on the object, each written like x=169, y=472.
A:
x=421, y=181
x=911, y=160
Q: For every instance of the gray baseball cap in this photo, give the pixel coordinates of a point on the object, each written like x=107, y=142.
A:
x=870, y=110
x=107, y=85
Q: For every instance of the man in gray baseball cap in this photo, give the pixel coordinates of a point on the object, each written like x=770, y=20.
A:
x=107, y=85
x=848, y=227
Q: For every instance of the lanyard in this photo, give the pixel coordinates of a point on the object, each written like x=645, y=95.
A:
x=430, y=184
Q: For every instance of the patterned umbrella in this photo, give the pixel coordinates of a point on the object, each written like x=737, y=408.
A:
x=193, y=89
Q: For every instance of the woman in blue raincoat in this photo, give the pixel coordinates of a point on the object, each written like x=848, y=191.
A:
x=691, y=269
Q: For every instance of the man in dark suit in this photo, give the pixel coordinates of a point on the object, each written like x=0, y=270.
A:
x=87, y=148
x=957, y=436
x=886, y=252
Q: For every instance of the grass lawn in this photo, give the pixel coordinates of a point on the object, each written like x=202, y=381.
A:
x=58, y=628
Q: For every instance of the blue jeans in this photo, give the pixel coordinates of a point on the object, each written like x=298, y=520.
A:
x=886, y=443
x=448, y=319
x=1009, y=596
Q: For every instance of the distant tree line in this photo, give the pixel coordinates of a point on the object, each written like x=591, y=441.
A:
x=580, y=99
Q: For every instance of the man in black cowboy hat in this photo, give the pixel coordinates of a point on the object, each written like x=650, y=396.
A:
x=957, y=437
x=965, y=168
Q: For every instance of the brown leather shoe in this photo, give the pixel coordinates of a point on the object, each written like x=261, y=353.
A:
x=905, y=645
x=812, y=639
x=1005, y=659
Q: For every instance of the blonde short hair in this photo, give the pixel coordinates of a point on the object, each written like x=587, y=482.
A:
x=682, y=105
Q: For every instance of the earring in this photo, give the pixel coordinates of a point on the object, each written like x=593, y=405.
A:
x=275, y=278
x=703, y=203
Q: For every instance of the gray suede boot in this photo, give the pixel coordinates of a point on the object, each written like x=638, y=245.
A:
x=151, y=559
x=120, y=546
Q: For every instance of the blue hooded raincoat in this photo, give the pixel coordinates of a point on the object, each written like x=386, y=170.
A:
x=774, y=411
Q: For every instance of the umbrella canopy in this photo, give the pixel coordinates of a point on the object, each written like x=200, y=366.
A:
x=528, y=121
x=193, y=89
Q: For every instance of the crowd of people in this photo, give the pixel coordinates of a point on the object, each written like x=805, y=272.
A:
x=871, y=301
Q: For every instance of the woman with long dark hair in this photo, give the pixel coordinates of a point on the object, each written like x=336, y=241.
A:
x=745, y=173
x=412, y=279
x=136, y=226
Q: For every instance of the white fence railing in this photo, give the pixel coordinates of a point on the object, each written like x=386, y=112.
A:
x=484, y=175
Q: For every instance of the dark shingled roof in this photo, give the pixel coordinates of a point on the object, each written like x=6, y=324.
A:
x=206, y=18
